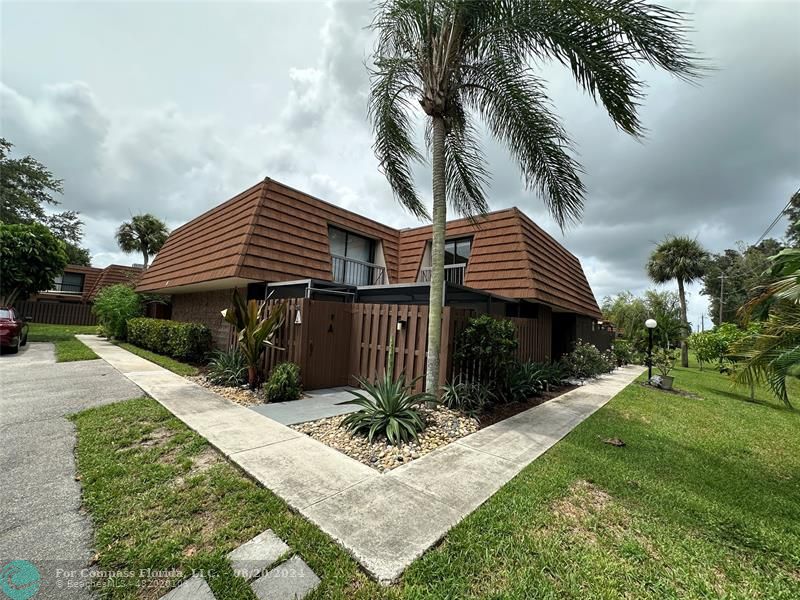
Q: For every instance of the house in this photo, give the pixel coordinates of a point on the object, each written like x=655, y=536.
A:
x=274, y=241
x=69, y=300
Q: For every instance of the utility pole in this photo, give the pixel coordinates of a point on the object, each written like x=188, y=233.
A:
x=703, y=322
x=721, y=292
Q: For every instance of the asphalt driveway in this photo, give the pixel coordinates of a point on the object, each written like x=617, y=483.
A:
x=40, y=516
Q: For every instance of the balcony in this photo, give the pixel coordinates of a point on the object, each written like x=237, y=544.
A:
x=452, y=273
x=66, y=288
x=351, y=271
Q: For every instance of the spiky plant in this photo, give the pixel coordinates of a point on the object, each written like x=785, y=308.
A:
x=255, y=330
x=463, y=60
x=143, y=233
x=684, y=260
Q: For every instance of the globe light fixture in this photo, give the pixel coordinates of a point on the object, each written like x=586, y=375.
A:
x=650, y=324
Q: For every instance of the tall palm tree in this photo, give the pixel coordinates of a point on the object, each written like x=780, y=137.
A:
x=461, y=59
x=684, y=260
x=143, y=233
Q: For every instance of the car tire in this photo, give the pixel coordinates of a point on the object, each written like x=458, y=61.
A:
x=24, y=341
x=14, y=349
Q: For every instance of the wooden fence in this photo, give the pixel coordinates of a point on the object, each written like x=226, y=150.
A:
x=334, y=343
x=57, y=313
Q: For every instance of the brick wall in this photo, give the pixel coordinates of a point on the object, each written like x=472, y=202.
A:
x=204, y=307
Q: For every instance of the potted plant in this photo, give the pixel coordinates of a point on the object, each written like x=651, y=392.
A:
x=664, y=361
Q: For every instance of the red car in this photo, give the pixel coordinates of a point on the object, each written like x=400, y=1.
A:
x=13, y=330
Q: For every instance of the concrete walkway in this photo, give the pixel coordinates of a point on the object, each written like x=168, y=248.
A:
x=314, y=405
x=41, y=520
x=384, y=521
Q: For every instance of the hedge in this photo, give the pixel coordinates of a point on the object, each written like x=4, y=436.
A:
x=184, y=341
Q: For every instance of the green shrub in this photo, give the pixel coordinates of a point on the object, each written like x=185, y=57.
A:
x=387, y=408
x=114, y=306
x=468, y=397
x=283, y=383
x=524, y=382
x=586, y=361
x=228, y=368
x=623, y=352
x=485, y=351
x=189, y=342
x=715, y=345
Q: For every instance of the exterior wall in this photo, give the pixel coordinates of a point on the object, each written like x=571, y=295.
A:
x=204, y=307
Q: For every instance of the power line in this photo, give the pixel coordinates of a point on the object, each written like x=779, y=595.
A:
x=777, y=219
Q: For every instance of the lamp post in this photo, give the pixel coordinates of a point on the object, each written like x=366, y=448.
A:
x=650, y=324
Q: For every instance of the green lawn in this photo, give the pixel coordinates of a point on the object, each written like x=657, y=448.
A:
x=701, y=502
x=164, y=361
x=63, y=338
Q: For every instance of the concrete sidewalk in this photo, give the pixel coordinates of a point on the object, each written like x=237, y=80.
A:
x=384, y=521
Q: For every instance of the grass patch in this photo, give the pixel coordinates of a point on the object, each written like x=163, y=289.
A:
x=701, y=502
x=173, y=365
x=162, y=498
x=67, y=347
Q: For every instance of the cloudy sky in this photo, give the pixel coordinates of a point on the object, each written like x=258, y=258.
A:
x=173, y=107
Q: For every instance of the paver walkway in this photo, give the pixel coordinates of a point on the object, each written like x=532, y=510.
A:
x=314, y=405
x=40, y=516
x=384, y=521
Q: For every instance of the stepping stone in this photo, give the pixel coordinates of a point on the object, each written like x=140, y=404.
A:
x=251, y=558
x=292, y=580
x=194, y=588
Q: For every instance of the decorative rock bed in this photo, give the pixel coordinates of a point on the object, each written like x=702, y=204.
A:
x=240, y=395
x=442, y=427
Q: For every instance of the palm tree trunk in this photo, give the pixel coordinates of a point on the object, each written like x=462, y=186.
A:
x=146, y=257
x=437, y=258
x=684, y=325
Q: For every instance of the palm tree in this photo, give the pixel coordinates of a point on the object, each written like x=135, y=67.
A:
x=772, y=351
x=684, y=260
x=462, y=59
x=143, y=233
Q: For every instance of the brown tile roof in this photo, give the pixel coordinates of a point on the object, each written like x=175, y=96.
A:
x=511, y=256
x=271, y=232
x=109, y=276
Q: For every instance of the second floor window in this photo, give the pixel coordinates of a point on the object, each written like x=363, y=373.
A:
x=69, y=283
x=456, y=252
x=352, y=258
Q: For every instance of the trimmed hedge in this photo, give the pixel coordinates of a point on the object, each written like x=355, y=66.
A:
x=184, y=341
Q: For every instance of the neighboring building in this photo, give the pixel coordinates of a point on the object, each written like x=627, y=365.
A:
x=79, y=284
x=272, y=239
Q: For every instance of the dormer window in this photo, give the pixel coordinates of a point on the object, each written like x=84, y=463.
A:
x=69, y=283
x=353, y=259
x=456, y=257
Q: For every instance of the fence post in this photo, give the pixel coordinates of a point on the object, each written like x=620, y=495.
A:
x=444, y=352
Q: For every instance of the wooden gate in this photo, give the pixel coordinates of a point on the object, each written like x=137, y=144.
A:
x=328, y=327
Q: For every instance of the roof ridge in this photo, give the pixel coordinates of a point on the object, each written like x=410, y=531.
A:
x=253, y=218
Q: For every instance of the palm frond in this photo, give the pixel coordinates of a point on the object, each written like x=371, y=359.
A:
x=466, y=173
x=513, y=104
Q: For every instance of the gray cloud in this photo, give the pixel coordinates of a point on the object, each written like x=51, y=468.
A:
x=282, y=93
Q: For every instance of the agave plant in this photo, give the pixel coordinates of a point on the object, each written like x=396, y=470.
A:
x=388, y=407
x=773, y=350
x=255, y=330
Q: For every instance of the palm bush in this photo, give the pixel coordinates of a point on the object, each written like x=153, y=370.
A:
x=468, y=397
x=227, y=368
x=255, y=330
x=772, y=352
x=283, y=384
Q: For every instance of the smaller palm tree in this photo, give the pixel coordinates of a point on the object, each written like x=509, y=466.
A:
x=143, y=233
x=684, y=260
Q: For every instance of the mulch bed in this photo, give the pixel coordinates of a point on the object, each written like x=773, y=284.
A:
x=673, y=391
x=501, y=412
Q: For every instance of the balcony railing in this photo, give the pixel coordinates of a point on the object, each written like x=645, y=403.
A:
x=67, y=288
x=452, y=273
x=351, y=271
